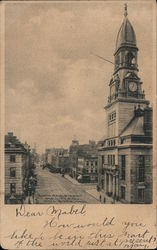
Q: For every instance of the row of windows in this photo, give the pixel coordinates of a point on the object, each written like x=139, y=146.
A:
x=140, y=194
x=92, y=163
x=90, y=170
x=140, y=169
x=111, y=142
x=112, y=116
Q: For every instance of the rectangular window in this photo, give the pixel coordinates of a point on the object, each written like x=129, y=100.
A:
x=13, y=158
x=108, y=160
x=95, y=163
x=103, y=159
x=12, y=172
x=112, y=116
x=141, y=194
x=12, y=188
x=123, y=166
x=141, y=169
x=123, y=193
x=113, y=159
x=87, y=163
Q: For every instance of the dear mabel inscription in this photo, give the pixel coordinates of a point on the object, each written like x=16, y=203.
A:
x=55, y=233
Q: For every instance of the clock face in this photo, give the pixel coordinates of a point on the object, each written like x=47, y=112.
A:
x=132, y=86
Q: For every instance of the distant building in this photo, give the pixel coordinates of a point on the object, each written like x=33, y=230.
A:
x=73, y=157
x=17, y=168
x=80, y=155
x=34, y=155
x=125, y=154
x=57, y=158
x=87, y=168
x=49, y=153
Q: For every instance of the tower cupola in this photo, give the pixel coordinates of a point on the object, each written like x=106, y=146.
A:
x=125, y=82
x=126, y=35
x=126, y=49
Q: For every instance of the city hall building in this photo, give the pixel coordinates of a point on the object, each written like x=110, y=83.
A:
x=125, y=153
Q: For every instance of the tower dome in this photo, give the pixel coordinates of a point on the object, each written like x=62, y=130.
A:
x=126, y=34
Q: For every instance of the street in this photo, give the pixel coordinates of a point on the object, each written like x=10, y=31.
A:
x=53, y=188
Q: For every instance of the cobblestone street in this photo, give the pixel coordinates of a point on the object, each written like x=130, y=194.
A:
x=53, y=188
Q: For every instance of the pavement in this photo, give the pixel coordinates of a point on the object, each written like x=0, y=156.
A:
x=29, y=200
x=91, y=190
x=53, y=188
x=85, y=185
x=96, y=195
x=72, y=180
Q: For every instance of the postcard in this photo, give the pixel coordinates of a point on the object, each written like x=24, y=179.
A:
x=78, y=124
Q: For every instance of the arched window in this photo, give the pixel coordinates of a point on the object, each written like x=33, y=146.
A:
x=130, y=58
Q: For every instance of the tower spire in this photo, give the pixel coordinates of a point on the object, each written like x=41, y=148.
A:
x=125, y=10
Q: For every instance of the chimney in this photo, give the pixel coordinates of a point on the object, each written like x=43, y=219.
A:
x=148, y=123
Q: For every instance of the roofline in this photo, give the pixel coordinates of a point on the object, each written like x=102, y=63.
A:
x=15, y=150
x=126, y=45
x=134, y=135
x=128, y=100
x=139, y=145
x=125, y=67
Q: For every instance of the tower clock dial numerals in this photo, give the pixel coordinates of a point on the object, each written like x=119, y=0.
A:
x=132, y=86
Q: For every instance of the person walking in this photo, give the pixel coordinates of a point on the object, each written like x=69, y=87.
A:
x=104, y=200
x=100, y=197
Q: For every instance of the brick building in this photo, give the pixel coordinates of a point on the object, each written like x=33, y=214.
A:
x=87, y=168
x=125, y=153
x=79, y=155
x=17, y=168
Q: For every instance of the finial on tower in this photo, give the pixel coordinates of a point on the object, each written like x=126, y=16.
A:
x=125, y=10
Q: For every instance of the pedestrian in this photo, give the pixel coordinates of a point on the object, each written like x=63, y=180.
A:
x=100, y=197
x=104, y=200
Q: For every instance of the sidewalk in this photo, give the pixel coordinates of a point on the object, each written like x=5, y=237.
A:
x=108, y=200
x=29, y=200
x=72, y=180
x=75, y=182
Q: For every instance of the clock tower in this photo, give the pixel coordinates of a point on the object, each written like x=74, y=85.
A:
x=125, y=153
x=125, y=85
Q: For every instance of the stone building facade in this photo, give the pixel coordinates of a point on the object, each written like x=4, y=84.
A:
x=125, y=154
x=17, y=168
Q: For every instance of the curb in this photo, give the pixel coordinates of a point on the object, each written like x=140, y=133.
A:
x=93, y=196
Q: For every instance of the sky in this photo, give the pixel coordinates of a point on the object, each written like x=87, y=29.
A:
x=55, y=88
